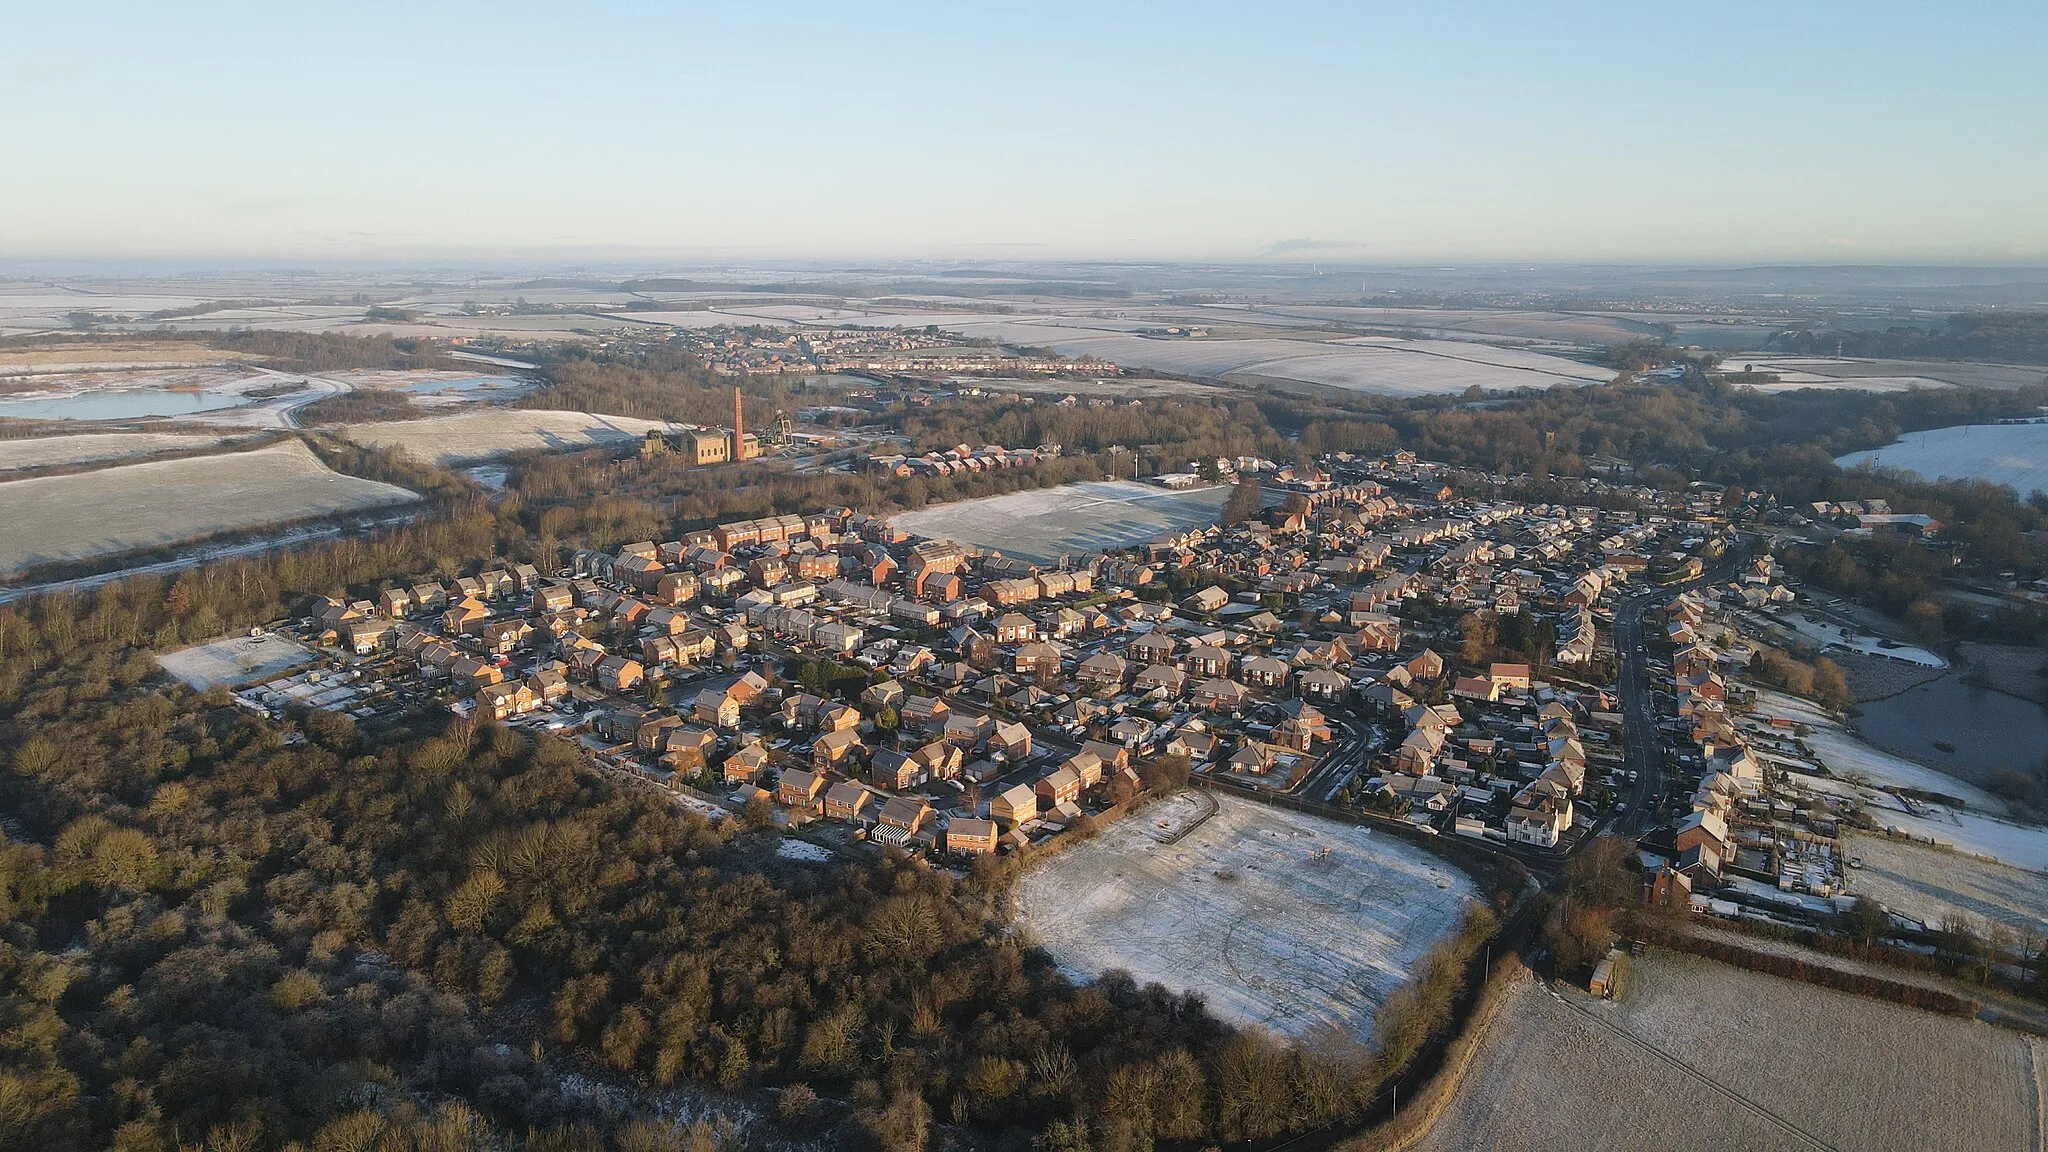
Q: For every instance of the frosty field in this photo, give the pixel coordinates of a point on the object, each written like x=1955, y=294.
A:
x=499, y=432
x=235, y=661
x=1928, y=884
x=164, y=502
x=49, y=451
x=1703, y=1057
x=2015, y=455
x=1241, y=912
x=1089, y=517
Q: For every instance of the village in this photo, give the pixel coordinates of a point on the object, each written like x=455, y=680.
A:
x=833, y=671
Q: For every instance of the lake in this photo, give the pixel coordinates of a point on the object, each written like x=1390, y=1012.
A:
x=1989, y=730
x=125, y=404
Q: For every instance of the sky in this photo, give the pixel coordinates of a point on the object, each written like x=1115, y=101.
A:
x=1345, y=132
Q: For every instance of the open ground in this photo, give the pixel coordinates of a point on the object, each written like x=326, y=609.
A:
x=1702, y=1056
x=1275, y=918
x=499, y=432
x=135, y=506
x=235, y=660
x=52, y=451
x=1041, y=525
x=2015, y=455
x=1928, y=884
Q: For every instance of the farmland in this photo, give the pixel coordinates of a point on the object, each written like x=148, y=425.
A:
x=2015, y=455
x=1702, y=1056
x=1242, y=910
x=499, y=432
x=1927, y=884
x=1089, y=517
x=52, y=451
x=136, y=506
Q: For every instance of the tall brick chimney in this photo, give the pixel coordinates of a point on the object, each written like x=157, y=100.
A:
x=739, y=428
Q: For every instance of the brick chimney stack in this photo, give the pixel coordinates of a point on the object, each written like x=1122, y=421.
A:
x=739, y=428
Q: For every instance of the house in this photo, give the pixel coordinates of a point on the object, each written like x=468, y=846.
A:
x=1062, y=786
x=1705, y=828
x=1209, y=599
x=717, y=708
x=619, y=674
x=1206, y=660
x=1015, y=628
x=1152, y=648
x=798, y=788
x=549, y=685
x=1037, y=659
x=900, y=819
x=1507, y=677
x=1164, y=678
x=971, y=837
x=746, y=764
x=1322, y=684
x=1011, y=739
x=1220, y=695
x=835, y=750
x=1541, y=814
x=1264, y=672
x=846, y=801
x=924, y=713
x=1102, y=670
x=502, y=701
x=1014, y=806
x=1426, y=666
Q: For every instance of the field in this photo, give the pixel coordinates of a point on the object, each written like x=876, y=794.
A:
x=1928, y=884
x=146, y=505
x=1040, y=525
x=51, y=451
x=1879, y=375
x=1240, y=911
x=500, y=432
x=2015, y=455
x=235, y=661
x=1702, y=1056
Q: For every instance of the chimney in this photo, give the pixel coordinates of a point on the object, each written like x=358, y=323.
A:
x=739, y=428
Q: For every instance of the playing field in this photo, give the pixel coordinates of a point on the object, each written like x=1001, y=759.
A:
x=53, y=518
x=1277, y=919
x=1041, y=525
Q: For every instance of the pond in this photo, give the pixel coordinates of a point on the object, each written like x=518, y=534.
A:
x=1988, y=730
x=126, y=404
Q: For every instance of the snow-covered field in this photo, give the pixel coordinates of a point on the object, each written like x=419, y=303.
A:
x=1796, y=372
x=1824, y=635
x=2015, y=455
x=1395, y=367
x=1242, y=911
x=235, y=661
x=1703, y=1057
x=500, y=432
x=134, y=506
x=1928, y=884
x=1850, y=758
x=48, y=451
x=1040, y=525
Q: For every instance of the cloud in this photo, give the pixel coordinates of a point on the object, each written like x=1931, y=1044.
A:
x=1304, y=245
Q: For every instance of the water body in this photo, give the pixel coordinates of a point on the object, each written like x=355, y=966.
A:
x=1988, y=730
x=123, y=405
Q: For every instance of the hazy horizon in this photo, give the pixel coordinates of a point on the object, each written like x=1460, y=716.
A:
x=1367, y=136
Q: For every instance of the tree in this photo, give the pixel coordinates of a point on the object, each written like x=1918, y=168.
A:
x=1866, y=920
x=1244, y=501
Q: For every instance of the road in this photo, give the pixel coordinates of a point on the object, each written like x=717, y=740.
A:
x=1644, y=744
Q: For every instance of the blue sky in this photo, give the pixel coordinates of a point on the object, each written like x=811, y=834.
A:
x=1362, y=132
